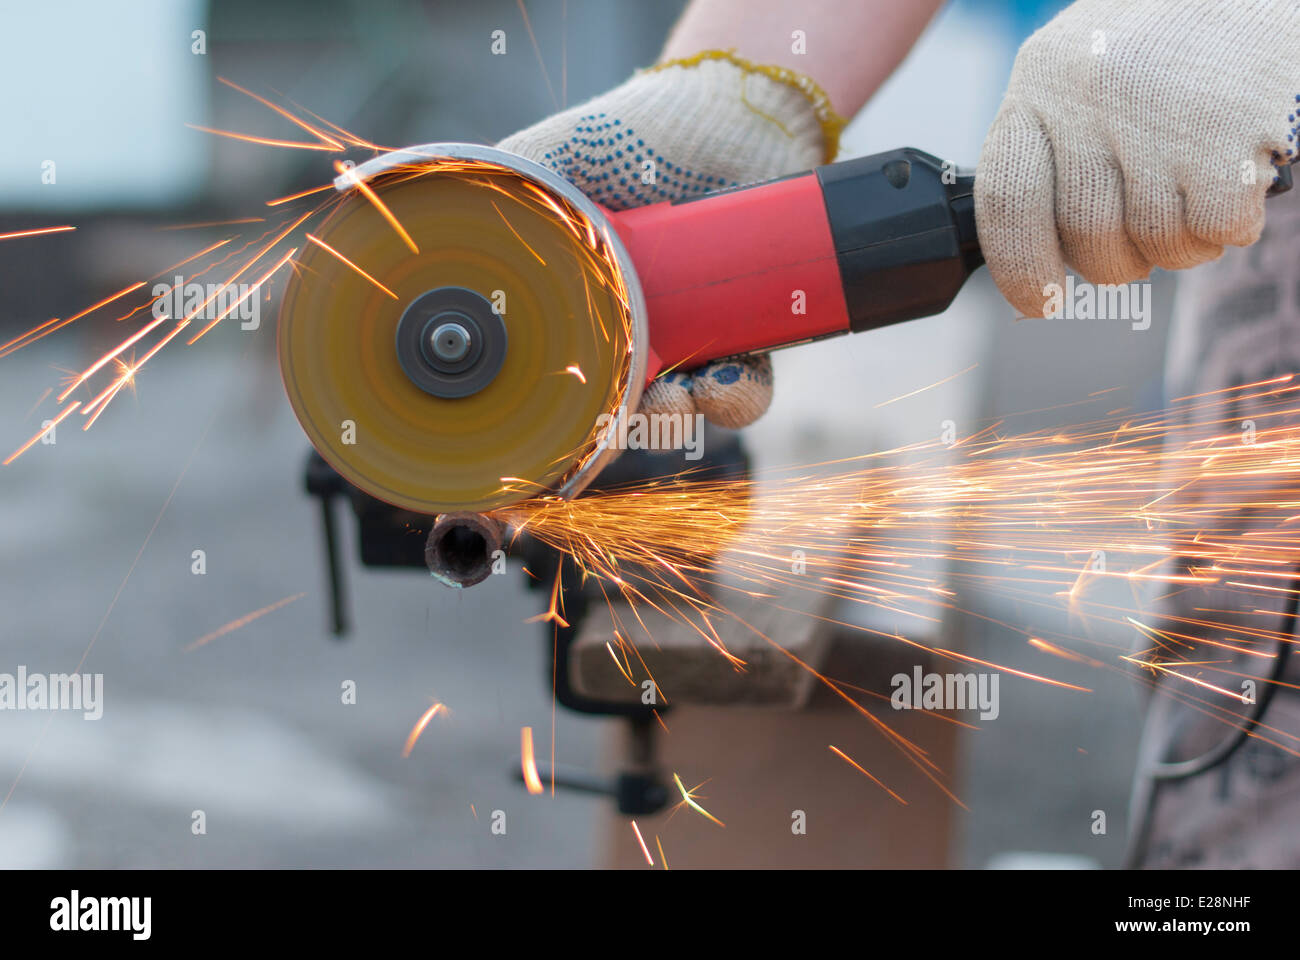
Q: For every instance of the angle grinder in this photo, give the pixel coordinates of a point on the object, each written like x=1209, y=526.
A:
x=476, y=320
x=464, y=362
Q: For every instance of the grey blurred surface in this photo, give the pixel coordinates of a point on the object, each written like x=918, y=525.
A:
x=250, y=728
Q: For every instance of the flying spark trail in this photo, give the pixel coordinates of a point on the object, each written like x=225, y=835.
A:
x=528, y=25
x=63, y=415
x=688, y=798
x=348, y=263
x=1165, y=669
x=38, y=232
x=252, y=290
x=103, y=361
x=320, y=135
x=641, y=841
x=243, y=621
x=1045, y=519
x=528, y=762
x=351, y=139
x=127, y=376
x=418, y=729
x=50, y=326
x=278, y=201
x=195, y=256
x=937, y=383
x=552, y=614
x=364, y=188
x=535, y=254
x=214, y=223
x=39, y=401
x=858, y=767
x=261, y=247
x=265, y=141
x=106, y=396
x=229, y=281
x=125, y=372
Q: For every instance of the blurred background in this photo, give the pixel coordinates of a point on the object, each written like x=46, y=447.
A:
x=100, y=528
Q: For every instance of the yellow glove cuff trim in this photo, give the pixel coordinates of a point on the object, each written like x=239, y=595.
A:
x=832, y=123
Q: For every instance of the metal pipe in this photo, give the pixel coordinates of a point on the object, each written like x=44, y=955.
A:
x=461, y=547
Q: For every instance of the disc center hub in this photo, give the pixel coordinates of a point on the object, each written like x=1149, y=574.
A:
x=450, y=342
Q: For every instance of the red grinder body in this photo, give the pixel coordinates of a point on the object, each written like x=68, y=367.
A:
x=844, y=248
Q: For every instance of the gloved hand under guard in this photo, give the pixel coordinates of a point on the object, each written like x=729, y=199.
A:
x=676, y=130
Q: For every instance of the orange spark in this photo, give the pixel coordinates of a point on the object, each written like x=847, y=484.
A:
x=46, y=328
x=320, y=135
x=243, y=621
x=418, y=729
x=1061, y=652
x=102, y=361
x=350, y=175
x=621, y=669
x=325, y=246
x=528, y=762
x=553, y=609
x=127, y=376
x=38, y=232
x=106, y=397
x=265, y=141
x=528, y=25
x=689, y=799
x=63, y=414
x=937, y=383
x=195, y=256
x=299, y=195
x=1166, y=669
x=214, y=223
x=644, y=849
x=251, y=290
x=350, y=138
x=39, y=401
x=856, y=766
x=516, y=233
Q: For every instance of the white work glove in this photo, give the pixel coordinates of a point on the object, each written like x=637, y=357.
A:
x=1136, y=134
x=705, y=123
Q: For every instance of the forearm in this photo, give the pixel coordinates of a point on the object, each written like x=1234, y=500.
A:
x=850, y=46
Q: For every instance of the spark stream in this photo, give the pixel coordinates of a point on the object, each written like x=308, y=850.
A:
x=1046, y=519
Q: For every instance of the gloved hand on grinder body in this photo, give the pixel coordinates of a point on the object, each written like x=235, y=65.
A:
x=677, y=130
x=1136, y=135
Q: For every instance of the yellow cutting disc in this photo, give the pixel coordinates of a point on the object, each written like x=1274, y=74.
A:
x=522, y=277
